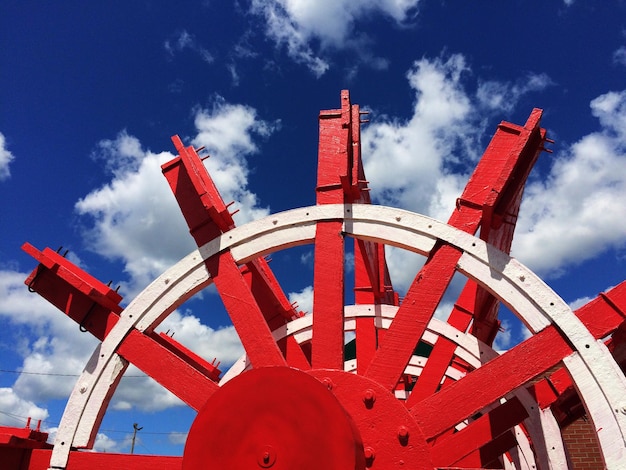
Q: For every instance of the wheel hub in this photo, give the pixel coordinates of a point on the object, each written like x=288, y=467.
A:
x=273, y=417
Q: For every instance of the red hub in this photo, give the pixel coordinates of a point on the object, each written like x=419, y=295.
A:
x=273, y=417
x=391, y=437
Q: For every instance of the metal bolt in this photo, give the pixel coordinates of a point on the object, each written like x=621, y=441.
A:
x=624, y=410
x=369, y=397
x=403, y=435
x=329, y=383
x=370, y=455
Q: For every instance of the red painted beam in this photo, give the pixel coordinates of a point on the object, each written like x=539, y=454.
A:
x=499, y=176
x=478, y=433
x=83, y=298
x=176, y=371
x=492, y=381
x=40, y=459
x=244, y=312
x=328, y=297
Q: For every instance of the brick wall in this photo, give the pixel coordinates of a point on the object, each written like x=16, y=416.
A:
x=582, y=445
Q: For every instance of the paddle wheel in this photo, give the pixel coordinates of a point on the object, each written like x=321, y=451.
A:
x=379, y=384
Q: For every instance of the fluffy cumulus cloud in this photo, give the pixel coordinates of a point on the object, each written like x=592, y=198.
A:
x=6, y=158
x=19, y=409
x=503, y=97
x=573, y=215
x=405, y=160
x=135, y=218
x=53, y=350
x=307, y=28
x=422, y=163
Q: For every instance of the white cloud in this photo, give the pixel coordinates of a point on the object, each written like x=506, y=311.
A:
x=183, y=40
x=619, y=56
x=135, y=217
x=576, y=304
x=222, y=343
x=6, y=158
x=51, y=343
x=422, y=164
x=504, y=337
x=503, y=96
x=177, y=437
x=574, y=214
x=303, y=299
x=15, y=409
x=405, y=159
x=105, y=443
x=301, y=26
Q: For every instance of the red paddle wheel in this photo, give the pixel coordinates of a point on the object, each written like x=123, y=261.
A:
x=418, y=393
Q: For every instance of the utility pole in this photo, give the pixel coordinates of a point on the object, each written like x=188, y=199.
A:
x=136, y=428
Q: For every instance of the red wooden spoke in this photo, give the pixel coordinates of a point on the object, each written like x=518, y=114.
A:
x=371, y=286
x=366, y=342
x=413, y=316
x=513, y=150
x=174, y=371
x=478, y=433
x=244, y=312
x=253, y=300
x=487, y=456
x=442, y=353
x=491, y=382
x=294, y=354
x=328, y=297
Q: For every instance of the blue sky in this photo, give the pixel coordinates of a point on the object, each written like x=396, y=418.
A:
x=90, y=95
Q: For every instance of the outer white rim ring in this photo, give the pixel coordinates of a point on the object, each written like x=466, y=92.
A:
x=593, y=370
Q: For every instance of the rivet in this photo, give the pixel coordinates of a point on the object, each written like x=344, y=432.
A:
x=624, y=410
x=370, y=455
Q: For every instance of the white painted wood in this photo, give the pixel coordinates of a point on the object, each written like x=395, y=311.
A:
x=602, y=406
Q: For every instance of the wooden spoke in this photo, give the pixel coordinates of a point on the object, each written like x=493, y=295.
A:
x=244, y=312
x=413, y=316
x=328, y=295
x=491, y=382
x=185, y=378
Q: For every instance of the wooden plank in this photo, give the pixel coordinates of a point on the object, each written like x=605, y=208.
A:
x=491, y=382
x=172, y=371
x=478, y=433
x=244, y=312
x=413, y=316
x=328, y=297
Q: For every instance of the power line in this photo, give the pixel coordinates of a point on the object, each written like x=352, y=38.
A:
x=51, y=374
x=52, y=423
